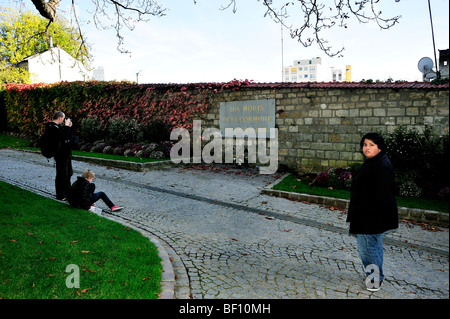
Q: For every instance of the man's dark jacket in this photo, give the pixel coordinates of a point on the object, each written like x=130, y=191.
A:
x=81, y=193
x=373, y=208
x=62, y=139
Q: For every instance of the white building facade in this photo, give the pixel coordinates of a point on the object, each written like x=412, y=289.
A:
x=54, y=65
x=313, y=70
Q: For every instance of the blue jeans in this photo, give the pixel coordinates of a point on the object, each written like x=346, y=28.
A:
x=370, y=248
x=102, y=196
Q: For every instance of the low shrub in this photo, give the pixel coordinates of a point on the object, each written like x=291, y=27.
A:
x=91, y=128
x=410, y=189
x=340, y=178
x=419, y=158
x=108, y=149
x=122, y=130
x=119, y=150
x=156, y=131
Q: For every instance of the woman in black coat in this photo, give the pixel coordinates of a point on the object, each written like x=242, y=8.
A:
x=373, y=208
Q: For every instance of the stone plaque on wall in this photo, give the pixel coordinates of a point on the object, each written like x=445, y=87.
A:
x=247, y=114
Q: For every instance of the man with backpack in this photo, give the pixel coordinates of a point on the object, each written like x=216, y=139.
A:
x=57, y=142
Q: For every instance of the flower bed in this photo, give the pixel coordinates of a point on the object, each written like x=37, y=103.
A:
x=139, y=150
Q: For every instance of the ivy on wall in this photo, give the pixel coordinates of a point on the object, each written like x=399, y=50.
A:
x=30, y=106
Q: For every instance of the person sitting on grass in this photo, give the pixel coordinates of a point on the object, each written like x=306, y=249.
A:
x=82, y=193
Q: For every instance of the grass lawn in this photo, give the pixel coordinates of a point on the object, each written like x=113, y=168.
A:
x=40, y=237
x=292, y=183
x=13, y=142
x=116, y=157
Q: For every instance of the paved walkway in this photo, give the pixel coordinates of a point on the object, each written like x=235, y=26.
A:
x=226, y=240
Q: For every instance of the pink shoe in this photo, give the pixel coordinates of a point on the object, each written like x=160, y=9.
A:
x=116, y=208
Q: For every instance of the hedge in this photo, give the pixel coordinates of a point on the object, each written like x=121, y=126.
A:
x=30, y=106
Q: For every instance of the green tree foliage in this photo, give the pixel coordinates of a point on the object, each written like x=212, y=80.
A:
x=24, y=33
x=10, y=74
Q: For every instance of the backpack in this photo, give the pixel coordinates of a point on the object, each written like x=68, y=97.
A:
x=48, y=148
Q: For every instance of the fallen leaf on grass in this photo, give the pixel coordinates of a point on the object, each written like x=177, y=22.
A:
x=87, y=269
x=85, y=251
x=50, y=275
x=85, y=290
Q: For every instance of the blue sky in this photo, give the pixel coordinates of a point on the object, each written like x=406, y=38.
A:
x=201, y=43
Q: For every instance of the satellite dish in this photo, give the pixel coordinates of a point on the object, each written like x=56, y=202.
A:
x=430, y=76
x=425, y=66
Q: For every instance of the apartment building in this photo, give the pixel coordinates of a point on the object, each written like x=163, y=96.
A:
x=313, y=70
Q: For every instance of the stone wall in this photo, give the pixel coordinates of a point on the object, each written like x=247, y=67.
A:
x=320, y=124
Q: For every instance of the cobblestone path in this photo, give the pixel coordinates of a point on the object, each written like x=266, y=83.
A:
x=226, y=240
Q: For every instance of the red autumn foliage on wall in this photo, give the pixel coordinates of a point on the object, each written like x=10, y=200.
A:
x=30, y=106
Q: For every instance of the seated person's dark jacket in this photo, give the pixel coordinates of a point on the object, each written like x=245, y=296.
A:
x=81, y=193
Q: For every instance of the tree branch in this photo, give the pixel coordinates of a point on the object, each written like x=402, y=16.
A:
x=320, y=15
x=47, y=9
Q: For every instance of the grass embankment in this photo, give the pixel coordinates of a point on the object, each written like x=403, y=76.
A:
x=41, y=237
